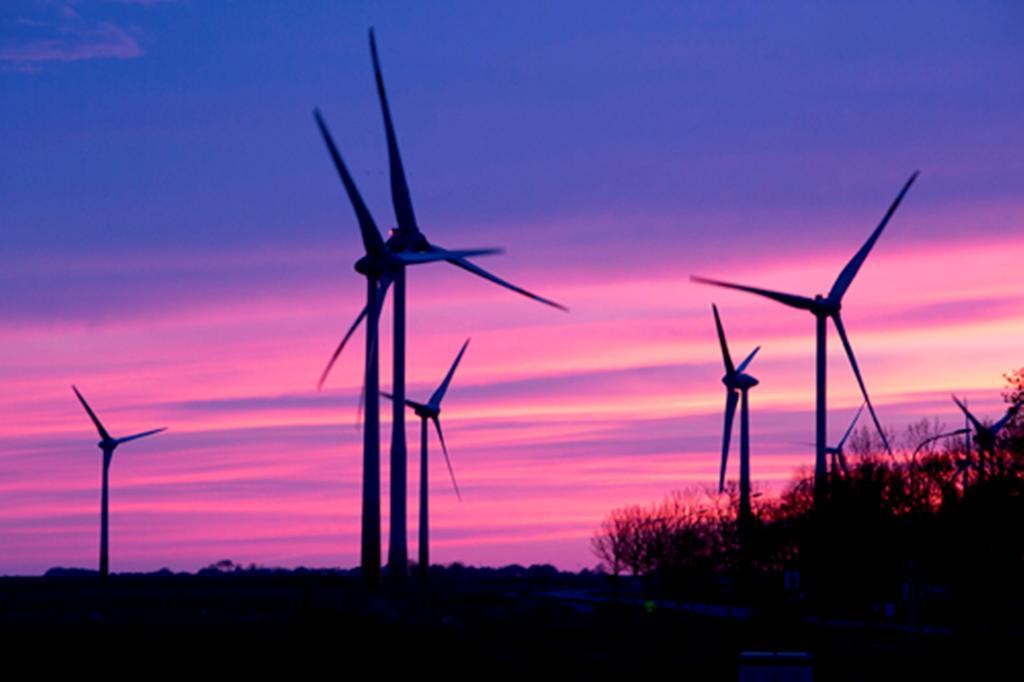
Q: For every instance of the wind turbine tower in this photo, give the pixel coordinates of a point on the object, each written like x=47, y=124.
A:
x=107, y=445
x=430, y=411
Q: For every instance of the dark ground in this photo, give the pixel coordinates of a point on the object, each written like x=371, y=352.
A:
x=468, y=623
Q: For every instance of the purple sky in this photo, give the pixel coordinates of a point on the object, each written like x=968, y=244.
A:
x=177, y=243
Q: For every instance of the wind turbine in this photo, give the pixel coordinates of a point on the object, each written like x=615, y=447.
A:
x=107, y=444
x=836, y=453
x=823, y=308
x=406, y=240
x=737, y=384
x=381, y=266
x=985, y=436
x=430, y=411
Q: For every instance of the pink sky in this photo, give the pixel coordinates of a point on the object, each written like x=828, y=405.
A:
x=553, y=419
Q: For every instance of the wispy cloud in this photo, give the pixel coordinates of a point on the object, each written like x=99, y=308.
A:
x=57, y=32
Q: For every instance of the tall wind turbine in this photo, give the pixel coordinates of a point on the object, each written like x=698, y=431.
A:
x=406, y=240
x=737, y=384
x=823, y=308
x=430, y=411
x=381, y=267
x=107, y=444
x=985, y=436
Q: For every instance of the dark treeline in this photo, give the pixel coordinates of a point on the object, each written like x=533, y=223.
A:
x=907, y=538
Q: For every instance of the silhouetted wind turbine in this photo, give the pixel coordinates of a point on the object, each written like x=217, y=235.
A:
x=431, y=412
x=985, y=436
x=407, y=240
x=837, y=454
x=737, y=384
x=107, y=444
x=381, y=266
x=823, y=308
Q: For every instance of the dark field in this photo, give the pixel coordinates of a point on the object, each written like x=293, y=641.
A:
x=467, y=623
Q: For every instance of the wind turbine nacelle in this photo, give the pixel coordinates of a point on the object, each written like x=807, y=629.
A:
x=426, y=412
x=739, y=382
x=399, y=241
x=827, y=306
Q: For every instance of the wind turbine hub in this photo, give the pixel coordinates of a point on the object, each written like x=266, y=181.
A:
x=399, y=241
x=362, y=266
x=826, y=305
x=370, y=266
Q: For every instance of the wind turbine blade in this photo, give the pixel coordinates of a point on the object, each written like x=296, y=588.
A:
x=437, y=253
x=408, y=403
x=400, y=197
x=1010, y=413
x=341, y=347
x=447, y=459
x=468, y=253
x=92, y=415
x=849, y=429
x=726, y=358
x=731, y=399
x=383, y=283
x=978, y=426
x=477, y=270
x=791, y=300
x=842, y=463
x=860, y=380
x=746, y=361
x=951, y=434
x=140, y=435
x=932, y=439
x=435, y=400
x=842, y=282
x=372, y=241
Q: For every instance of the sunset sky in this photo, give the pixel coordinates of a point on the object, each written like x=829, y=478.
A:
x=176, y=243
